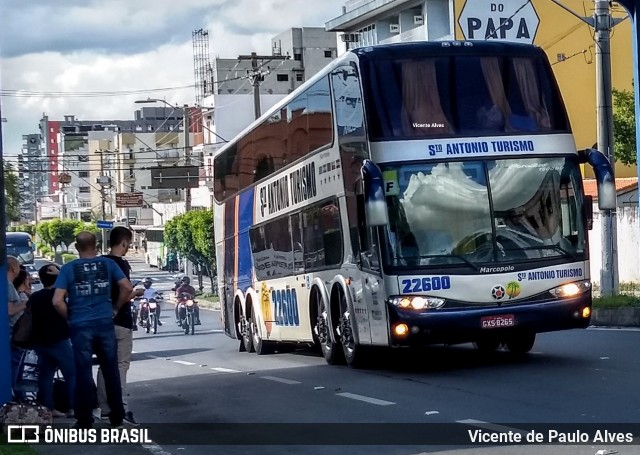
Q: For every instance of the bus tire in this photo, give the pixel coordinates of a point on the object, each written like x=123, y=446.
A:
x=356, y=356
x=521, y=342
x=260, y=346
x=246, y=337
x=487, y=344
x=332, y=352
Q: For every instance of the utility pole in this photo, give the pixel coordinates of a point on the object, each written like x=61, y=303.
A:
x=604, y=113
x=602, y=23
x=256, y=74
x=103, y=197
x=187, y=154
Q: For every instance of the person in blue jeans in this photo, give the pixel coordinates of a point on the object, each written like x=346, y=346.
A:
x=50, y=339
x=86, y=283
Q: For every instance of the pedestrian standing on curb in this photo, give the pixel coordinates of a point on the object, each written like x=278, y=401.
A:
x=87, y=282
x=16, y=308
x=120, y=239
x=50, y=338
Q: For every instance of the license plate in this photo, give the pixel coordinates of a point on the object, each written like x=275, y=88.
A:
x=496, y=322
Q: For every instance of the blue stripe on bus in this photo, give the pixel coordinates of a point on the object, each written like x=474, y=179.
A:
x=245, y=221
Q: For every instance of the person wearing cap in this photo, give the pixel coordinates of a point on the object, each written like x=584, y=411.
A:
x=50, y=337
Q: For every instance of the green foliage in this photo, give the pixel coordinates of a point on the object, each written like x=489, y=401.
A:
x=28, y=228
x=55, y=229
x=43, y=233
x=68, y=231
x=624, y=126
x=89, y=227
x=616, y=301
x=44, y=250
x=191, y=235
x=66, y=257
x=11, y=194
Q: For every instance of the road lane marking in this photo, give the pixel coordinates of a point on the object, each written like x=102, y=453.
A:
x=366, y=399
x=151, y=356
x=155, y=449
x=491, y=426
x=282, y=380
x=225, y=370
x=184, y=362
x=430, y=413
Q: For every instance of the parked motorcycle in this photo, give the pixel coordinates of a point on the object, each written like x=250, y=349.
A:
x=148, y=315
x=186, y=313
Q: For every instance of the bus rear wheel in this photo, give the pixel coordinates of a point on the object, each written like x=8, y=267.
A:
x=247, y=341
x=259, y=345
x=331, y=351
x=520, y=343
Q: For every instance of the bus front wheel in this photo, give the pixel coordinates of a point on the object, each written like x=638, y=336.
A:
x=520, y=343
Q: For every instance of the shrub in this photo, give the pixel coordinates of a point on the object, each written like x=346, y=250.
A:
x=67, y=257
x=616, y=301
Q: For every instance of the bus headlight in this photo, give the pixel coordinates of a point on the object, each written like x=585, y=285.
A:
x=571, y=289
x=418, y=302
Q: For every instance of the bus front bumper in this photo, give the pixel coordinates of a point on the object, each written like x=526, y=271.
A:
x=458, y=325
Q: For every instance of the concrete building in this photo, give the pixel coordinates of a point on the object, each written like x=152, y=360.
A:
x=32, y=176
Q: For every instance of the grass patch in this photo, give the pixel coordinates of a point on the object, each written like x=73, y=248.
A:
x=14, y=449
x=617, y=301
x=208, y=300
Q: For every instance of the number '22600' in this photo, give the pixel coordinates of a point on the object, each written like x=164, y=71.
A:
x=434, y=283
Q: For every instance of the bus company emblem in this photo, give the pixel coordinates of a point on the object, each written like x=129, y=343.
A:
x=513, y=289
x=498, y=292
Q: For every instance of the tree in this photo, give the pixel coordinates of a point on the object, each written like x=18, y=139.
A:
x=55, y=229
x=624, y=126
x=88, y=227
x=68, y=231
x=11, y=194
x=43, y=233
x=191, y=235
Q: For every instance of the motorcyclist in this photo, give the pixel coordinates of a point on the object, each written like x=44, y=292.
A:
x=186, y=288
x=152, y=293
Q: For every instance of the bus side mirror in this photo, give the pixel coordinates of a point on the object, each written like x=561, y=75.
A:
x=604, y=176
x=588, y=207
x=375, y=204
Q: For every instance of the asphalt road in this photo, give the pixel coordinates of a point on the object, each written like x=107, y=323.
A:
x=202, y=381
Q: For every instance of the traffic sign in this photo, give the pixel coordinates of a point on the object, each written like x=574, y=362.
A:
x=502, y=21
x=129, y=200
x=104, y=224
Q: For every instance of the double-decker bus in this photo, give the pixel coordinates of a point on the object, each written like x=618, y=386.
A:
x=155, y=254
x=20, y=245
x=408, y=194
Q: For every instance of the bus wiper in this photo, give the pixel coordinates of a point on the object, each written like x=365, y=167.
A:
x=550, y=247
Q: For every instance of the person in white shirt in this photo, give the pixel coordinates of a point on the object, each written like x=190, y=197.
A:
x=152, y=293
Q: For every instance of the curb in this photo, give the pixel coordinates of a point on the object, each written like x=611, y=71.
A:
x=616, y=317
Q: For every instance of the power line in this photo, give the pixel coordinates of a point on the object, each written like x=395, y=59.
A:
x=13, y=93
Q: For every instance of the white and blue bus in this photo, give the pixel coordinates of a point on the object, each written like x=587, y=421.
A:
x=408, y=194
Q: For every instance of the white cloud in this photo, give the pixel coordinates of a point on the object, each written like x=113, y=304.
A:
x=126, y=45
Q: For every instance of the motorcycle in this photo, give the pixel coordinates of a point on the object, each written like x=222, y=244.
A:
x=148, y=318
x=186, y=313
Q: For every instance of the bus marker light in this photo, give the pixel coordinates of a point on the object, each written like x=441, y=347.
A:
x=401, y=330
x=586, y=312
x=415, y=329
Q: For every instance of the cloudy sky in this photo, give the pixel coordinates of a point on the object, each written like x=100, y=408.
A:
x=114, y=45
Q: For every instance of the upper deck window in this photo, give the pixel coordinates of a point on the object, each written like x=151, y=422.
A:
x=463, y=95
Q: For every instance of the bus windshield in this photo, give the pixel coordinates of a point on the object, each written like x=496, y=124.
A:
x=460, y=95
x=471, y=213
